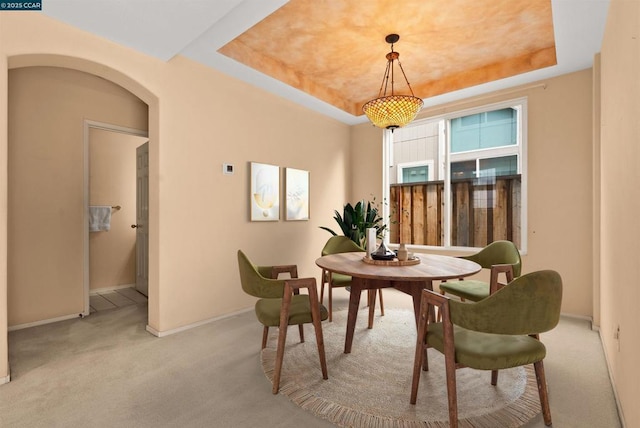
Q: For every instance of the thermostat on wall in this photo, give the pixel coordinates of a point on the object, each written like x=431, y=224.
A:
x=227, y=168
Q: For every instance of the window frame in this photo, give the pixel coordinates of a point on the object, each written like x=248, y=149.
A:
x=428, y=163
x=445, y=158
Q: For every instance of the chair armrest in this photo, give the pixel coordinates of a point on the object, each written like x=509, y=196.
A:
x=290, y=269
x=277, y=270
x=293, y=286
x=433, y=298
x=496, y=270
x=298, y=283
x=429, y=300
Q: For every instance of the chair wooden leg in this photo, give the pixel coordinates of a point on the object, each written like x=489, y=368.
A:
x=282, y=334
x=265, y=336
x=381, y=302
x=322, y=282
x=425, y=358
x=301, y=330
x=542, y=391
x=450, y=368
x=317, y=325
x=330, y=302
x=282, y=339
x=420, y=347
x=494, y=377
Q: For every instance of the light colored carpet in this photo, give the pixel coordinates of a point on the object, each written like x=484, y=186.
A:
x=371, y=386
x=106, y=371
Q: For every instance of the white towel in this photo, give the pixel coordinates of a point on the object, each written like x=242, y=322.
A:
x=99, y=218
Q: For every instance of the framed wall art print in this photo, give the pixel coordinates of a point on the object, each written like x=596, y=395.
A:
x=297, y=191
x=265, y=192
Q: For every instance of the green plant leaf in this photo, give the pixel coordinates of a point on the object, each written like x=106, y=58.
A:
x=355, y=220
x=329, y=230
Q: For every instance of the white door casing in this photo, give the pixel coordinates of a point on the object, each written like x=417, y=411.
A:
x=107, y=127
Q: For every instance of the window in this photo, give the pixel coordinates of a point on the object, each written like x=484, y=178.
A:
x=458, y=180
x=497, y=128
x=504, y=165
x=415, y=172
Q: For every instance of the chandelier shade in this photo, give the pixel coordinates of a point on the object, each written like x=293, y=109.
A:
x=392, y=111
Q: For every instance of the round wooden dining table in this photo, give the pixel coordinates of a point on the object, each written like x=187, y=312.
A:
x=410, y=279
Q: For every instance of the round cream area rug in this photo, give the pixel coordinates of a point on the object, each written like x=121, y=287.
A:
x=371, y=386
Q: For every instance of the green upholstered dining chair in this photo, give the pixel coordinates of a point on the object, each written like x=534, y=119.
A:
x=336, y=245
x=280, y=305
x=499, y=332
x=498, y=257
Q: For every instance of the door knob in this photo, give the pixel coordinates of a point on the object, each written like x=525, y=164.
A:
x=133, y=226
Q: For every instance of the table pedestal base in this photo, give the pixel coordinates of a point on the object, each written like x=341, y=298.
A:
x=358, y=285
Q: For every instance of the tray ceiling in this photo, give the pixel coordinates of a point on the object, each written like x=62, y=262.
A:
x=330, y=55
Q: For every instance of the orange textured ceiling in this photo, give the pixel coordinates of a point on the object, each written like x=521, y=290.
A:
x=335, y=50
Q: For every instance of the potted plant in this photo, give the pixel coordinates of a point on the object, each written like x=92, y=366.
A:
x=355, y=220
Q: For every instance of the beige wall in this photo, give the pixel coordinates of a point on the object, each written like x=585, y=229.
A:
x=620, y=202
x=112, y=178
x=204, y=214
x=367, y=168
x=559, y=173
x=560, y=186
x=198, y=120
x=47, y=109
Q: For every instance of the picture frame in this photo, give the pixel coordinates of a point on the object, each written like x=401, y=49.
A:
x=264, y=195
x=297, y=194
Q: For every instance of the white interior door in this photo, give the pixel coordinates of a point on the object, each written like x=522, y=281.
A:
x=142, y=219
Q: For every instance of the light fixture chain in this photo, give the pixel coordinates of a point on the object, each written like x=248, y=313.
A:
x=405, y=78
x=385, y=81
x=392, y=74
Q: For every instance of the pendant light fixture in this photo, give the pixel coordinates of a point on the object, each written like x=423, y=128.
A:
x=392, y=111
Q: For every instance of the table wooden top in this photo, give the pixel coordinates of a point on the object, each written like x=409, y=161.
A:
x=431, y=267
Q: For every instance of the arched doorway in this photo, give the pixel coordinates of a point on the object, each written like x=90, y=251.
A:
x=147, y=97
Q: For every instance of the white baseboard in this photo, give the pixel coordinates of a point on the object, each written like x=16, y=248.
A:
x=5, y=379
x=194, y=325
x=43, y=322
x=613, y=383
x=582, y=318
x=577, y=317
x=108, y=289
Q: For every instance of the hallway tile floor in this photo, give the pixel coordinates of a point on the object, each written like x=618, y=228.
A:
x=115, y=299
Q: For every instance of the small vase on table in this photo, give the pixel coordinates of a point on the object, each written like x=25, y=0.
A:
x=403, y=253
